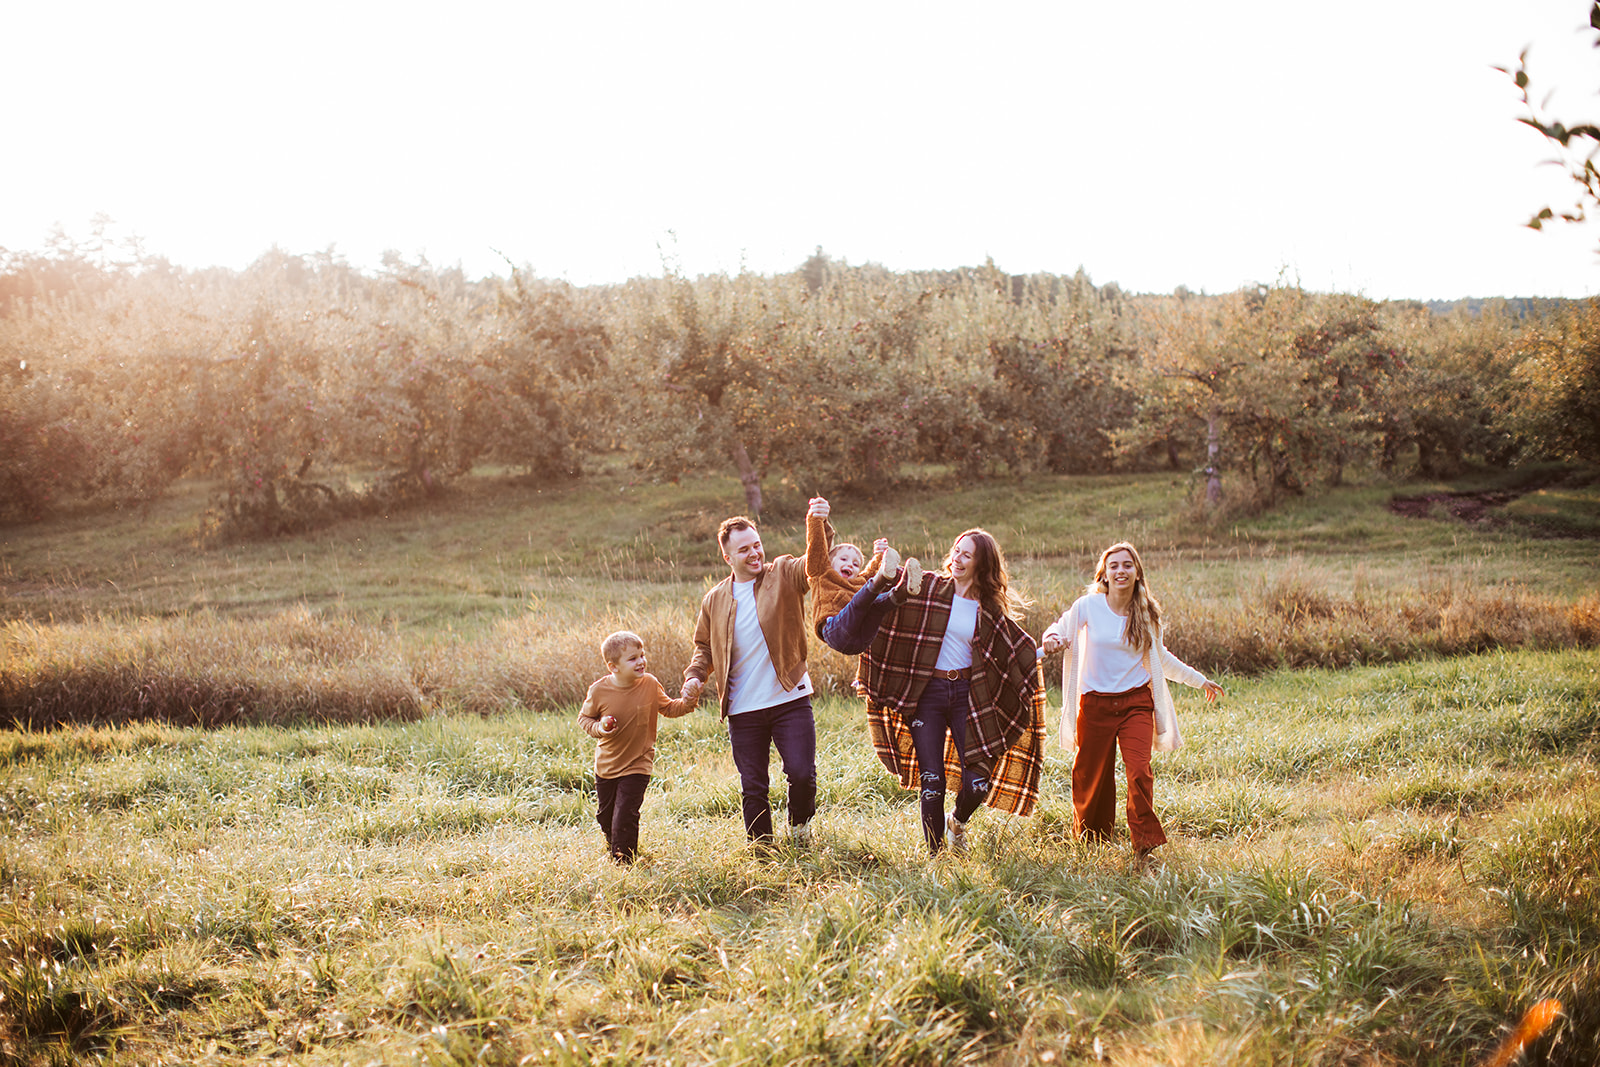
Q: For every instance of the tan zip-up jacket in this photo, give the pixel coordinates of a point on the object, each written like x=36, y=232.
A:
x=780, y=608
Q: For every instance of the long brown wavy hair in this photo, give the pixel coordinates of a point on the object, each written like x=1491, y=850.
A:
x=990, y=578
x=1144, y=612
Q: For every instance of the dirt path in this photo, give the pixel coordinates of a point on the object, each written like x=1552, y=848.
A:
x=1477, y=506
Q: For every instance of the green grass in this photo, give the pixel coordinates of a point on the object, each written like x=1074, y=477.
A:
x=382, y=850
x=1383, y=865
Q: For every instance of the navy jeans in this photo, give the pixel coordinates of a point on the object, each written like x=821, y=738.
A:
x=791, y=729
x=852, y=629
x=618, y=814
x=943, y=708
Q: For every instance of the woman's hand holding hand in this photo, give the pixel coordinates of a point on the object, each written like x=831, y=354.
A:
x=1050, y=643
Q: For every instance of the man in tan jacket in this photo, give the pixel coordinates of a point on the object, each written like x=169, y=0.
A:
x=752, y=632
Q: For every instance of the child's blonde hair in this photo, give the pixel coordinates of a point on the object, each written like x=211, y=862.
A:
x=612, y=648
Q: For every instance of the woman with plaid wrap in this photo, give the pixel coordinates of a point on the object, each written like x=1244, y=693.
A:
x=953, y=692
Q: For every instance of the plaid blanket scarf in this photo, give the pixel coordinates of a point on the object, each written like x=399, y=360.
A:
x=1005, y=727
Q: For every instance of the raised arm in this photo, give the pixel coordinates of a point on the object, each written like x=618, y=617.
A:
x=875, y=564
x=819, y=539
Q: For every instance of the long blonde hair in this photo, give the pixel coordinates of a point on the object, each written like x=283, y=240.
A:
x=1144, y=611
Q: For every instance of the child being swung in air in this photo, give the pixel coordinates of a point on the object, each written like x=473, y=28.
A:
x=848, y=599
x=620, y=712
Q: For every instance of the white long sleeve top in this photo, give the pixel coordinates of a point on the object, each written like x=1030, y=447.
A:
x=1070, y=628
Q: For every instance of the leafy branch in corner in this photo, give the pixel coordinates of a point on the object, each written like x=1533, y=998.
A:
x=1580, y=164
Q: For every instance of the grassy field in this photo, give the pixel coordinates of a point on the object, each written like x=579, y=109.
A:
x=1381, y=865
x=384, y=851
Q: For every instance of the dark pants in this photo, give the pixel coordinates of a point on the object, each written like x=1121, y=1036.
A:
x=792, y=730
x=1105, y=723
x=852, y=629
x=943, y=708
x=618, y=815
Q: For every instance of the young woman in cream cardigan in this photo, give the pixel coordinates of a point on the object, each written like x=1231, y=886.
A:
x=1114, y=695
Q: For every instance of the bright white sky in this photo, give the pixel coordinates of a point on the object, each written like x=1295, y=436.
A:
x=1363, y=146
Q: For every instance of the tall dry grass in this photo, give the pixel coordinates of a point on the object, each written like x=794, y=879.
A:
x=302, y=665
x=206, y=671
x=1294, y=620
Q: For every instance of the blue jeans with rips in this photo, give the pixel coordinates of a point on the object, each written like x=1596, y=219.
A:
x=943, y=709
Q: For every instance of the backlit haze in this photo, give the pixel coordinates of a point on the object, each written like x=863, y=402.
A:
x=1366, y=146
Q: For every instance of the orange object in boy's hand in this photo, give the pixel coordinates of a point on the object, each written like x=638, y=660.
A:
x=608, y=723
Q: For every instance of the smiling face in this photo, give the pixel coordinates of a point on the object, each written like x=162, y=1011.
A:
x=846, y=560
x=630, y=666
x=742, y=551
x=961, y=560
x=1121, y=571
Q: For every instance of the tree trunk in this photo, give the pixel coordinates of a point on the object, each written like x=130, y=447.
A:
x=1213, y=446
x=1425, y=460
x=750, y=478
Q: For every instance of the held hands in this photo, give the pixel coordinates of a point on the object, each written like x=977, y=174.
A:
x=1051, y=643
x=819, y=507
x=880, y=546
x=692, y=690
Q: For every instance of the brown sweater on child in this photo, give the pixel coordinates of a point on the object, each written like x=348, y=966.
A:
x=631, y=747
x=830, y=591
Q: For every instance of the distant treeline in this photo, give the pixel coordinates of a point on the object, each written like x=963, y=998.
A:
x=1521, y=307
x=120, y=373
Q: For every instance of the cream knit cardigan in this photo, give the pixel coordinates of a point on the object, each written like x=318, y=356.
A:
x=1070, y=628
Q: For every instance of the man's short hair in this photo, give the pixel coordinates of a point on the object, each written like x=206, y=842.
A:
x=613, y=647
x=738, y=522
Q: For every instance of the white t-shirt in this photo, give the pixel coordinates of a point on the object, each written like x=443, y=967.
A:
x=1109, y=666
x=955, y=651
x=752, y=680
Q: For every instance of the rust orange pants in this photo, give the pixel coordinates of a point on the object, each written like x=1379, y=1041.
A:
x=1107, y=721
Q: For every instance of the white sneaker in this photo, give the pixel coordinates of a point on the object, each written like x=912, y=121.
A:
x=956, y=833
x=889, y=567
x=800, y=836
x=913, y=576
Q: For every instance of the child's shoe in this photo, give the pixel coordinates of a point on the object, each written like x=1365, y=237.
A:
x=888, y=572
x=913, y=576
x=889, y=566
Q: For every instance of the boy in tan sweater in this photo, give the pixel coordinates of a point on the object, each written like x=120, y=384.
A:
x=621, y=711
x=849, y=600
